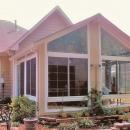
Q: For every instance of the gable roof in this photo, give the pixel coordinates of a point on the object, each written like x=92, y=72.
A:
x=55, y=10
x=103, y=22
x=9, y=34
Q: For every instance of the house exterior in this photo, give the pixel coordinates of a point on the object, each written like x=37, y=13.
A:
x=57, y=63
x=9, y=34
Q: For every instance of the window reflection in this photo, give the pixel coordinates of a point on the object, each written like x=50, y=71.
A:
x=73, y=42
x=110, y=46
x=67, y=77
x=115, y=77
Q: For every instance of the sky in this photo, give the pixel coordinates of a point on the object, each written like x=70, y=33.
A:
x=29, y=12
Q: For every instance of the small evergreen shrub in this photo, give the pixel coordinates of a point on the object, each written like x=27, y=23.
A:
x=22, y=108
x=68, y=126
x=15, y=124
x=86, y=123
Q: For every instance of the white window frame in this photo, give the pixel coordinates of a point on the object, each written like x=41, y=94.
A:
x=66, y=98
x=25, y=59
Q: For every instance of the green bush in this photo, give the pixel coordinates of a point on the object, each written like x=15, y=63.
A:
x=15, y=124
x=107, y=111
x=22, y=108
x=86, y=123
x=116, y=110
x=95, y=107
x=68, y=126
x=77, y=115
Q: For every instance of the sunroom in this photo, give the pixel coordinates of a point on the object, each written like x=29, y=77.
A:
x=59, y=70
x=81, y=59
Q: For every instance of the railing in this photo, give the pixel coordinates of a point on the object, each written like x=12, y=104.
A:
x=117, y=99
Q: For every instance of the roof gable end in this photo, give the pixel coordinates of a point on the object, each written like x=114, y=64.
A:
x=60, y=17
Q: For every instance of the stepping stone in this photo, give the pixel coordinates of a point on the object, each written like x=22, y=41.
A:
x=114, y=128
x=119, y=125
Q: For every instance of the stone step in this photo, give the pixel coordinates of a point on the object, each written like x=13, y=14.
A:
x=49, y=119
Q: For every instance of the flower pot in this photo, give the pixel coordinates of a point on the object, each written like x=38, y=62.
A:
x=30, y=124
x=14, y=128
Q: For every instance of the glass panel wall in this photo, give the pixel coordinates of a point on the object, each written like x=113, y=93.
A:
x=110, y=46
x=115, y=77
x=58, y=76
x=78, y=71
x=31, y=77
x=68, y=104
x=20, y=79
x=109, y=77
x=67, y=77
x=124, y=77
x=74, y=42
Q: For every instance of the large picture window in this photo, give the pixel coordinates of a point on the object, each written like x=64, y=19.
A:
x=116, y=77
x=73, y=42
x=67, y=77
x=115, y=65
x=68, y=70
x=110, y=46
x=31, y=77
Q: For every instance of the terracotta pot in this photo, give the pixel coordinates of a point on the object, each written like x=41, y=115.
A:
x=47, y=128
x=3, y=128
x=14, y=128
x=30, y=124
x=89, y=129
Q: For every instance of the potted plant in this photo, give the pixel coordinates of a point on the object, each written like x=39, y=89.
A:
x=30, y=119
x=24, y=111
x=30, y=123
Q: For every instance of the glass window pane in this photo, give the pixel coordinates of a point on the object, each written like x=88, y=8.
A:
x=33, y=77
x=22, y=78
x=28, y=79
x=124, y=77
x=74, y=42
x=68, y=104
x=78, y=77
x=110, y=77
x=110, y=46
x=115, y=77
x=57, y=76
x=18, y=80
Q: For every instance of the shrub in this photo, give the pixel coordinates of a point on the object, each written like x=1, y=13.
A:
x=22, y=108
x=85, y=112
x=6, y=100
x=107, y=111
x=112, y=111
x=63, y=114
x=95, y=97
x=15, y=124
x=86, y=123
x=125, y=117
x=68, y=126
x=77, y=115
